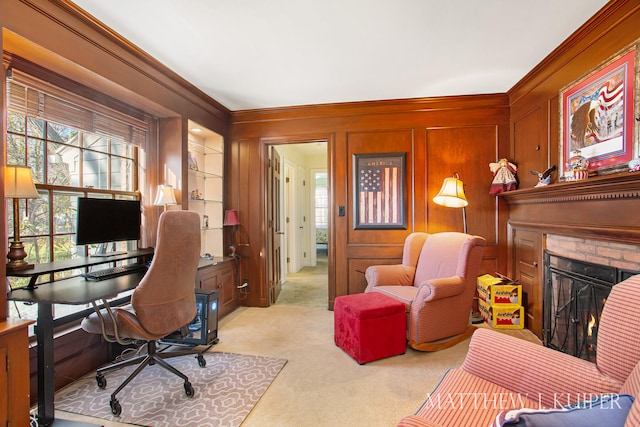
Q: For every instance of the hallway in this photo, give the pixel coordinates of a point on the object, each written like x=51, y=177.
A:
x=308, y=287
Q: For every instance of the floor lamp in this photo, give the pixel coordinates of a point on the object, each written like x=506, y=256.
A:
x=452, y=195
x=18, y=184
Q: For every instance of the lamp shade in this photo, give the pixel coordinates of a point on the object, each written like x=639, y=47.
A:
x=18, y=183
x=451, y=194
x=165, y=196
x=231, y=218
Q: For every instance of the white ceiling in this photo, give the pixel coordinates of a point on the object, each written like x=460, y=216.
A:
x=249, y=54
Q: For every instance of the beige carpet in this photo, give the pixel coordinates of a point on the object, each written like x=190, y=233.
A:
x=307, y=287
x=321, y=386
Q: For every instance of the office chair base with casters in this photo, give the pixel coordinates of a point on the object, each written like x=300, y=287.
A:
x=151, y=358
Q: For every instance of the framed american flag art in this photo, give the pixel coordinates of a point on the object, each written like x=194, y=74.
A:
x=379, y=191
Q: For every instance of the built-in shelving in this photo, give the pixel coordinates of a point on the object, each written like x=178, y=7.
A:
x=205, y=163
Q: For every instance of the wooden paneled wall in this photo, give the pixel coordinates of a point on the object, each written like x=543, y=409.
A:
x=439, y=136
x=92, y=60
x=534, y=144
x=535, y=100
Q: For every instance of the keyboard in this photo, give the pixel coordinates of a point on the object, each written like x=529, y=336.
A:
x=119, y=270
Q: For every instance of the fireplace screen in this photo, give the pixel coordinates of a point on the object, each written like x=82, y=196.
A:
x=575, y=293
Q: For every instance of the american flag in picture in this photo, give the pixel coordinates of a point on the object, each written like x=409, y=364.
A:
x=379, y=181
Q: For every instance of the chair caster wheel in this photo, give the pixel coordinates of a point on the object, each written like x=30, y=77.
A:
x=101, y=380
x=188, y=389
x=202, y=362
x=116, y=409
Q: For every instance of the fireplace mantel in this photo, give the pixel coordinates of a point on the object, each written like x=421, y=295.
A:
x=602, y=207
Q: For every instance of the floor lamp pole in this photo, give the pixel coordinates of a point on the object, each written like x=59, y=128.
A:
x=464, y=219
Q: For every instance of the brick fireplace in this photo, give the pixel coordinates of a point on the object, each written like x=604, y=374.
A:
x=594, y=221
x=578, y=276
x=575, y=293
x=620, y=255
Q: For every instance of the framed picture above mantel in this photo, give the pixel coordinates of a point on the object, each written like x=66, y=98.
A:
x=597, y=115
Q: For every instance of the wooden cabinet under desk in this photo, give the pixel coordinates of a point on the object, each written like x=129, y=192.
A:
x=219, y=274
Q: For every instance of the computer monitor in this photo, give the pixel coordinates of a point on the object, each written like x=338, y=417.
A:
x=101, y=221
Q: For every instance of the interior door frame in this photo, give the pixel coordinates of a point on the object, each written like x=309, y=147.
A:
x=274, y=223
x=265, y=144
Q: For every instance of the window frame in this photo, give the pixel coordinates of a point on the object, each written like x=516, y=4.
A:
x=132, y=155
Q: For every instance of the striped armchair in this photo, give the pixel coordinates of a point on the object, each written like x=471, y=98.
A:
x=501, y=372
x=436, y=282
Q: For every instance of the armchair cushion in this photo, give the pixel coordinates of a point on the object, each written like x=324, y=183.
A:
x=404, y=294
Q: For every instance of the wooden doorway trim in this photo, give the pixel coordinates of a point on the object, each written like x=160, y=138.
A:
x=265, y=146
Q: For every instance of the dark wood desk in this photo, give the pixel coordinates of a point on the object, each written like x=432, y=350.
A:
x=71, y=264
x=74, y=291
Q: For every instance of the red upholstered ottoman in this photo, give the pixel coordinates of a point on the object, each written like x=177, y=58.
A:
x=370, y=326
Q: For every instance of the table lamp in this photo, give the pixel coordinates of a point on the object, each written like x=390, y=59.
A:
x=231, y=220
x=165, y=196
x=18, y=184
x=452, y=195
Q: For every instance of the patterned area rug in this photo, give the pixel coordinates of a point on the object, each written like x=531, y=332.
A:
x=226, y=390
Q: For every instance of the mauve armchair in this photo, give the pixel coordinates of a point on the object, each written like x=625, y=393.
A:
x=437, y=282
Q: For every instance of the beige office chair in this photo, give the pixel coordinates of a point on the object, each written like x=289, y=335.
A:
x=163, y=302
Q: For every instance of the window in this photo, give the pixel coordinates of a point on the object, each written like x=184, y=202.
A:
x=68, y=161
x=321, y=200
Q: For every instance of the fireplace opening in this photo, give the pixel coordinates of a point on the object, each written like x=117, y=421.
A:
x=575, y=292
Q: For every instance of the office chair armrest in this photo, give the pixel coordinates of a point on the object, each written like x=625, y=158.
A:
x=108, y=323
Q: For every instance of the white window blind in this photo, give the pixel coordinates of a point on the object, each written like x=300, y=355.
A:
x=33, y=97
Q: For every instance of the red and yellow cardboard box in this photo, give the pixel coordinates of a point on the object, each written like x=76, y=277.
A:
x=500, y=302
x=502, y=316
x=496, y=290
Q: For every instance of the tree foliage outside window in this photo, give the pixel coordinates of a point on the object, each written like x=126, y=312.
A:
x=67, y=163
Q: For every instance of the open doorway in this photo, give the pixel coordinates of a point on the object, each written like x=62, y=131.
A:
x=304, y=214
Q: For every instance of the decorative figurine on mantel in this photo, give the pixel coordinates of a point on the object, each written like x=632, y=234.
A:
x=544, y=178
x=504, y=176
x=634, y=165
x=577, y=167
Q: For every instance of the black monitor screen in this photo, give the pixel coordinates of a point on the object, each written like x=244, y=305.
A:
x=107, y=220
